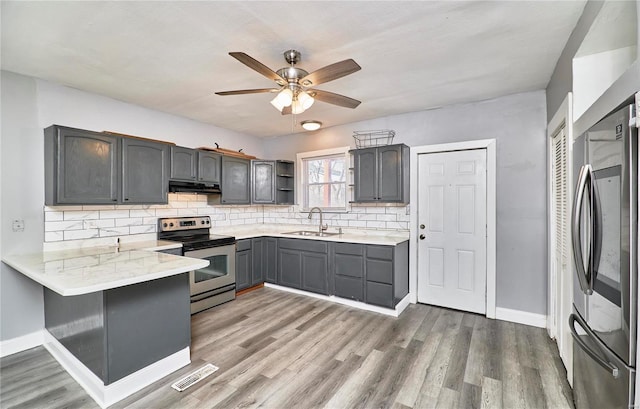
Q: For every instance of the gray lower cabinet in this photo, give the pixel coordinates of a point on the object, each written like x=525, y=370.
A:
x=244, y=264
x=270, y=260
x=348, y=270
x=304, y=264
x=254, y=262
x=81, y=167
x=145, y=171
x=258, y=265
x=381, y=174
x=386, y=274
x=236, y=181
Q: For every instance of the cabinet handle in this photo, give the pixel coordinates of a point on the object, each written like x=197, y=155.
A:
x=126, y=198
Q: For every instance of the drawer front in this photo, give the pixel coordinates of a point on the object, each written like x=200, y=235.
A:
x=349, y=287
x=380, y=294
x=381, y=252
x=349, y=248
x=380, y=271
x=349, y=265
x=243, y=245
x=304, y=245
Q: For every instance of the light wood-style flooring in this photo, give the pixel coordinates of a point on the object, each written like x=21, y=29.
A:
x=280, y=350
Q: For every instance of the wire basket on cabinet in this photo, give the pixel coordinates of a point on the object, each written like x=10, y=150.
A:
x=368, y=139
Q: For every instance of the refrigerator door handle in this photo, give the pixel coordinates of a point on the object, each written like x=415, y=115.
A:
x=584, y=178
x=596, y=237
x=605, y=363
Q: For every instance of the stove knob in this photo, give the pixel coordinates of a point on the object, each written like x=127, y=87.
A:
x=208, y=222
x=164, y=225
x=202, y=222
x=170, y=224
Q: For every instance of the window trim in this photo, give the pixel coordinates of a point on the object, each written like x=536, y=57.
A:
x=301, y=156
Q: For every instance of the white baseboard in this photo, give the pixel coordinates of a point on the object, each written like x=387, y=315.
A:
x=19, y=344
x=394, y=312
x=106, y=395
x=521, y=317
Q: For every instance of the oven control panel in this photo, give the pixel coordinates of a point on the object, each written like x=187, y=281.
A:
x=183, y=223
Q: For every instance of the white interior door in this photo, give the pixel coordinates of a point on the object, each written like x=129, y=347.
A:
x=452, y=230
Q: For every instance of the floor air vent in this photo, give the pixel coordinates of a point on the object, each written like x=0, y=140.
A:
x=194, y=377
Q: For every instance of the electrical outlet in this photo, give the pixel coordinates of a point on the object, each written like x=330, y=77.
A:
x=18, y=225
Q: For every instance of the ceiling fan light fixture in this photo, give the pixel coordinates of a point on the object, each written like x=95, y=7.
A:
x=276, y=104
x=305, y=100
x=311, y=125
x=284, y=97
x=297, y=107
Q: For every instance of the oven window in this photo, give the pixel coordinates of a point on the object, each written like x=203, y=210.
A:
x=218, y=267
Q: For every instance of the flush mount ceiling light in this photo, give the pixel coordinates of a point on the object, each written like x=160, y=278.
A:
x=295, y=94
x=311, y=125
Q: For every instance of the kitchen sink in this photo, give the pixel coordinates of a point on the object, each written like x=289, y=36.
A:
x=311, y=233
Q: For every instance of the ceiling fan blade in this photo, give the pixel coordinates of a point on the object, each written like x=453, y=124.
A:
x=258, y=66
x=335, y=99
x=330, y=73
x=286, y=110
x=248, y=91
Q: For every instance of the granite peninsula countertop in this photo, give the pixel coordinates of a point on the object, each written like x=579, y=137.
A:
x=379, y=237
x=90, y=269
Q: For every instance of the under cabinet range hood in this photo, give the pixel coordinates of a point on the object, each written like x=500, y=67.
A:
x=194, y=187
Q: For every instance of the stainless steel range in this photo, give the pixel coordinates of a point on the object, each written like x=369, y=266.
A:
x=216, y=283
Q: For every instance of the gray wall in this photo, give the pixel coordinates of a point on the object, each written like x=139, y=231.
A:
x=28, y=106
x=518, y=123
x=22, y=181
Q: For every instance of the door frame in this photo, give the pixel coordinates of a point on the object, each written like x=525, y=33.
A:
x=560, y=288
x=490, y=146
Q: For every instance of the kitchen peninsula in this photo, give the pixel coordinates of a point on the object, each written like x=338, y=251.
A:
x=118, y=319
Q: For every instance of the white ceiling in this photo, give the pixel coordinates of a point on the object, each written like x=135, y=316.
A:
x=173, y=56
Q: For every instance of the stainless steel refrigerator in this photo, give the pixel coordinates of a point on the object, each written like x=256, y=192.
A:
x=605, y=244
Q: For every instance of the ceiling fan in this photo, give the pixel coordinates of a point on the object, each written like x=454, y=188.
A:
x=295, y=94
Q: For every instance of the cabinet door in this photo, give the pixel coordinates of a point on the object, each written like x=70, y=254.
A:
x=243, y=269
x=235, y=181
x=183, y=163
x=289, y=268
x=390, y=173
x=270, y=257
x=263, y=182
x=145, y=171
x=258, y=267
x=365, y=175
x=209, y=165
x=315, y=272
x=82, y=167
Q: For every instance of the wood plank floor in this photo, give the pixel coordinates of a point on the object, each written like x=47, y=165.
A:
x=281, y=350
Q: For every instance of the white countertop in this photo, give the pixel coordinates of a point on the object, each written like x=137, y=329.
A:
x=90, y=269
x=379, y=237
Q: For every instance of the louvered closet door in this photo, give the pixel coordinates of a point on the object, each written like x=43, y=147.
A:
x=561, y=206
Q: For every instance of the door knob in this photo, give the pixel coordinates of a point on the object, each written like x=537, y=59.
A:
x=422, y=226
x=422, y=237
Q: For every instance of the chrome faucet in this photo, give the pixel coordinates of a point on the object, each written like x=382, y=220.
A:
x=321, y=228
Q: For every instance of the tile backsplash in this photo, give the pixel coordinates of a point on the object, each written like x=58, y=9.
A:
x=62, y=223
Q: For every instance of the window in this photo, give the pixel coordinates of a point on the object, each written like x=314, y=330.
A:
x=323, y=179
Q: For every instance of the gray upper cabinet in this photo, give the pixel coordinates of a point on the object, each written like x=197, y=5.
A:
x=183, y=163
x=81, y=167
x=381, y=174
x=209, y=165
x=145, y=171
x=263, y=189
x=236, y=181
